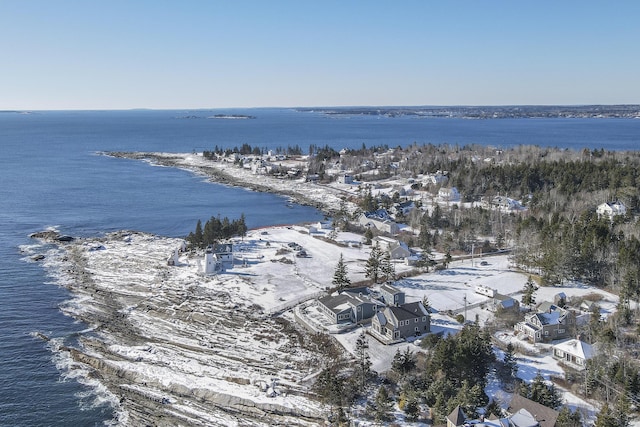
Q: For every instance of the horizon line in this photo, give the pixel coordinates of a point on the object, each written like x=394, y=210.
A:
x=13, y=110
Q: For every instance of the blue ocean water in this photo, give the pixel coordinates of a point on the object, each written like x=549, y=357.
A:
x=50, y=175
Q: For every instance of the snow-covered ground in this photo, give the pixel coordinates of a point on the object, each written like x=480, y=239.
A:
x=201, y=344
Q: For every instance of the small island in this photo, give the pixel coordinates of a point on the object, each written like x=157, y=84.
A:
x=231, y=116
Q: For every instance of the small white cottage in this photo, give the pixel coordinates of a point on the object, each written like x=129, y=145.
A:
x=573, y=353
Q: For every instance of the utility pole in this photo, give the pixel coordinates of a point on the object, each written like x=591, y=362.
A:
x=465, y=307
x=473, y=248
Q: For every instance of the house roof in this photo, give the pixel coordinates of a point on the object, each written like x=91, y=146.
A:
x=523, y=418
x=390, y=289
x=344, y=301
x=408, y=311
x=380, y=215
x=547, y=307
x=549, y=318
x=385, y=239
x=501, y=297
x=220, y=248
x=381, y=318
x=507, y=302
x=357, y=291
x=457, y=417
x=544, y=415
x=577, y=348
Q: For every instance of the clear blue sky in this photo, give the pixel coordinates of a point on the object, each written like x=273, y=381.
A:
x=83, y=54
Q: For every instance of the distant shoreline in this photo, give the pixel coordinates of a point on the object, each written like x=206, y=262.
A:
x=631, y=111
x=307, y=194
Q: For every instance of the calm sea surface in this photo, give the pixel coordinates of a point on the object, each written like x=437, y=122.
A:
x=50, y=175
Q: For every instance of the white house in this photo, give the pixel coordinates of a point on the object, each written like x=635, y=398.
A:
x=439, y=177
x=372, y=220
x=573, y=353
x=449, y=194
x=610, y=210
x=218, y=257
x=395, y=248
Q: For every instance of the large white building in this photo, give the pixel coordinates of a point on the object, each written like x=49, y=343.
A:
x=611, y=209
x=449, y=194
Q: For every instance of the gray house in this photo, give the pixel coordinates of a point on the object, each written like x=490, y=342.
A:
x=395, y=323
x=502, y=303
x=549, y=323
x=348, y=307
x=391, y=295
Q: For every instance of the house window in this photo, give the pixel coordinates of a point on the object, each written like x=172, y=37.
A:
x=561, y=331
x=424, y=318
x=416, y=320
x=546, y=332
x=396, y=334
x=417, y=329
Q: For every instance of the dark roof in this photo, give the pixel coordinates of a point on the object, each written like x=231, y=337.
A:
x=457, y=417
x=220, y=248
x=408, y=311
x=543, y=414
x=344, y=301
x=390, y=289
x=361, y=290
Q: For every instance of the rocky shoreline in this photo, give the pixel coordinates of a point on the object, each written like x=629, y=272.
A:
x=175, y=347
x=322, y=198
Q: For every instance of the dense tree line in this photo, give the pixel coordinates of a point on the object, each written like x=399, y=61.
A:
x=215, y=230
x=246, y=150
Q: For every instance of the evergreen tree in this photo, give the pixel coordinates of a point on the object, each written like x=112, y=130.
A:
x=606, y=418
x=528, y=298
x=384, y=404
x=412, y=407
x=594, y=322
x=403, y=363
x=387, y=268
x=493, y=408
x=426, y=303
x=330, y=387
x=363, y=360
x=568, y=418
x=372, y=269
x=369, y=203
x=242, y=226
x=447, y=259
x=340, y=276
x=622, y=410
x=539, y=391
x=368, y=236
x=197, y=237
x=510, y=361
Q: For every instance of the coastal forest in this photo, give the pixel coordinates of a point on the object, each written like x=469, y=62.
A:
x=557, y=237
x=216, y=230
